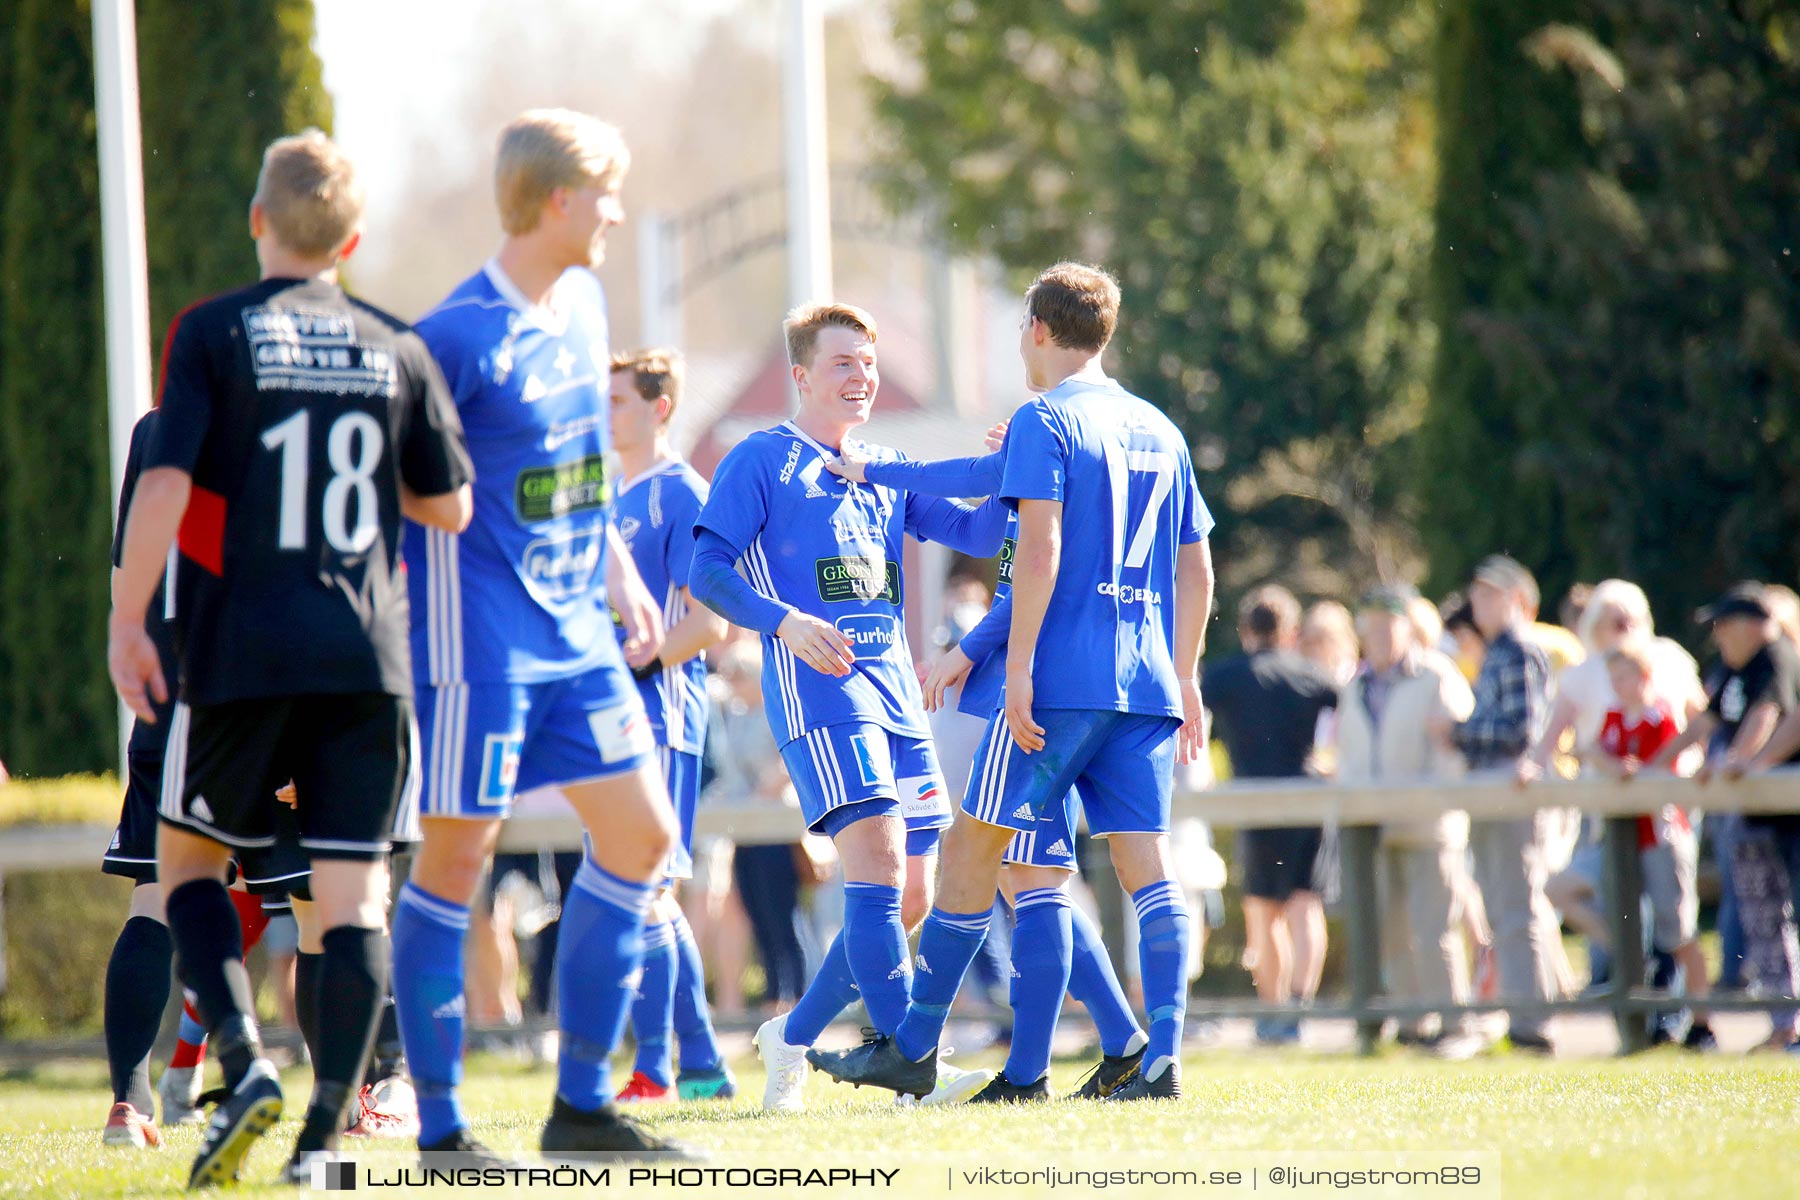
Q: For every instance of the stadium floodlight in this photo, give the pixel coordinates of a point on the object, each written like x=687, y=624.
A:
x=127, y=286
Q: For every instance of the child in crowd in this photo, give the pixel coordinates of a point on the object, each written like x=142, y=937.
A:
x=1634, y=731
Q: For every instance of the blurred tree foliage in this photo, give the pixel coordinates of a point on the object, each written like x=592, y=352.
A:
x=1619, y=229
x=1259, y=177
x=219, y=80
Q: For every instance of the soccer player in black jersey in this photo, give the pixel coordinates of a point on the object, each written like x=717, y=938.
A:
x=297, y=426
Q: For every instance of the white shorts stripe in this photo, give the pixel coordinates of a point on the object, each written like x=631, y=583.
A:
x=987, y=799
x=175, y=762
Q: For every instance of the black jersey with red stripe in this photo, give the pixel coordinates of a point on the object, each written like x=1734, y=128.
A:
x=298, y=411
x=148, y=741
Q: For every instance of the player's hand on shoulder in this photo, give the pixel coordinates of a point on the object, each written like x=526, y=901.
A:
x=135, y=667
x=996, y=437
x=951, y=668
x=818, y=644
x=849, y=464
x=287, y=795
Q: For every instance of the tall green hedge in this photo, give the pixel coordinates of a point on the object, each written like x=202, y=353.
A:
x=58, y=710
x=219, y=79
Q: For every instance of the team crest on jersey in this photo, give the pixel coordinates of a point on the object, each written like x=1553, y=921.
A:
x=628, y=528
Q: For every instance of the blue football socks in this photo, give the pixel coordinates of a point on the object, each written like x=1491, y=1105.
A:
x=600, y=949
x=947, y=944
x=1042, y=949
x=692, y=1017
x=428, y=995
x=1162, y=964
x=653, y=1008
x=1093, y=981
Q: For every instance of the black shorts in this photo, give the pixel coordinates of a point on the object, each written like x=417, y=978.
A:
x=349, y=757
x=1276, y=863
x=273, y=872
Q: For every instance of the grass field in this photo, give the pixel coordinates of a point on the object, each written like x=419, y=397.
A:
x=1659, y=1125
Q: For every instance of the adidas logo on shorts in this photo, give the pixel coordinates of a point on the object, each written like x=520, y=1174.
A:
x=923, y=965
x=450, y=1009
x=1024, y=813
x=899, y=971
x=199, y=809
x=1059, y=849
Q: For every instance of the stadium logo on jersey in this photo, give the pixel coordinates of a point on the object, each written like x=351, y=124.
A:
x=793, y=460
x=871, y=635
x=545, y=493
x=1059, y=849
x=845, y=578
x=499, y=768
x=1007, y=549
x=559, y=567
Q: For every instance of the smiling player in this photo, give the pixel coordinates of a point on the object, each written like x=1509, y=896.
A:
x=825, y=590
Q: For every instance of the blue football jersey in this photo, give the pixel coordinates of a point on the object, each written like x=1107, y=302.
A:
x=985, y=645
x=520, y=596
x=655, y=513
x=1122, y=472
x=831, y=549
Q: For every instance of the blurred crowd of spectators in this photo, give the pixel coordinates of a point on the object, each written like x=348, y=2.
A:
x=1406, y=691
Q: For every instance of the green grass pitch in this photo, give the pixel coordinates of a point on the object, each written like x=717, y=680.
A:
x=1659, y=1125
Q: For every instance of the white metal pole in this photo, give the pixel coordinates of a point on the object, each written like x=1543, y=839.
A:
x=658, y=277
x=806, y=154
x=127, y=286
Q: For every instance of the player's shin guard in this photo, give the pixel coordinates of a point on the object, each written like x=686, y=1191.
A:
x=875, y=946
x=653, y=1009
x=209, y=950
x=947, y=944
x=831, y=991
x=692, y=1017
x=600, y=951
x=353, y=971
x=1093, y=981
x=137, y=989
x=428, y=994
x=1041, y=950
x=1162, y=963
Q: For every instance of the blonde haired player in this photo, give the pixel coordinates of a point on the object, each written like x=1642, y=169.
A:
x=521, y=681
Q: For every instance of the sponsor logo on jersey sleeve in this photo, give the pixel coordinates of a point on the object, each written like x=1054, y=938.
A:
x=545, y=493
x=1007, y=550
x=844, y=578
